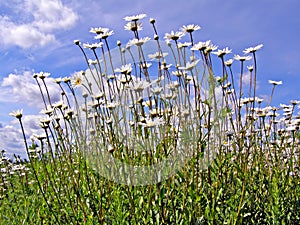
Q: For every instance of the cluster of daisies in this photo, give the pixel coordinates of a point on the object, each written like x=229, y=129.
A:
x=9, y=170
x=136, y=100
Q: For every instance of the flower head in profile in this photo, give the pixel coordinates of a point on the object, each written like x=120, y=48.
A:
x=222, y=52
x=135, y=17
x=139, y=85
x=18, y=113
x=275, y=82
x=76, y=42
x=66, y=79
x=190, y=65
x=174, y=35
x=250, y=68
x=112, y=105
x=228, y=62
x=152, y=122
x=184, y=45
x=158, y=55
x=201, y=46
x=93, y=46
x=211, y=47
x=98, y=30
x=92, y=62
x=138, y=42
x=242, y=58
x=48, y=110
x=124, y=79
x=157, y=90
x=178, y=73
x=145, y=65
x=133, y=26
x=190, y=28
x=124, y=69
x=41, y=75
x=253, y=49
x=104, y=34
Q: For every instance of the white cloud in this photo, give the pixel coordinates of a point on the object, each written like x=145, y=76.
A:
x=12, y=138
x=24, y=35
x=46, y=17
x=50, y=14
x=247, y=78
x=23, y=89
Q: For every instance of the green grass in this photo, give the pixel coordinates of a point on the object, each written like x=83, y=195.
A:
x=226, y=193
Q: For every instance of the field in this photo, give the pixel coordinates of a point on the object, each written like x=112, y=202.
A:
x=149, y=134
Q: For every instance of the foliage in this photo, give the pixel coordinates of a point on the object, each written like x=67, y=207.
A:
x=134, y=143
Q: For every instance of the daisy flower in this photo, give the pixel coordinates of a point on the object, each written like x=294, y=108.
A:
x=152, y=20
x=76, y=42
x=145, y=65
x=41, y=75
x=174, y=35
x=138, y=42
x=224, y=51
x=253, y=49
x=250, y=68
x=93, y=46
x=48, y=111
x=112, y=105
x=139, y=85
x=184, y=45
x=18, y=113
x=105, y=34
x=210, y=48
x=228, y=62
x=133, y=26
x=66, y=79
x=190, y=28
x=156, y=90
x=190, y=65
x=275, y=82
x=178, y=73
x=201, y=46
x=99, y=30
x=158, y=55
x=92, y=62
x=135, y=17
x=152, y=122
x=76, y=79
x=165, y=66
x=124, y=69
x=242, y=58
x=58, y=80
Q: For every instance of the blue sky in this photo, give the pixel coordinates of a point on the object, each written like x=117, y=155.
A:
x=37, y=35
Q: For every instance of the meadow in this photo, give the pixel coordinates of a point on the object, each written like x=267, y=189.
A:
x=160, y=130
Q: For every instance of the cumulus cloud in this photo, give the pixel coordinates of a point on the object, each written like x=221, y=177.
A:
x=12, y=138
x=23, y=88
x=50, y=14
x=247, y=78
x=46, y=17
x=23, y=35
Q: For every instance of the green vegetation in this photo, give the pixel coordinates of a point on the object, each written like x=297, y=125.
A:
x=129, y=144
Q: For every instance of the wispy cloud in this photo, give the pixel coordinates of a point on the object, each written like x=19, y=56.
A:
x=47, y=16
